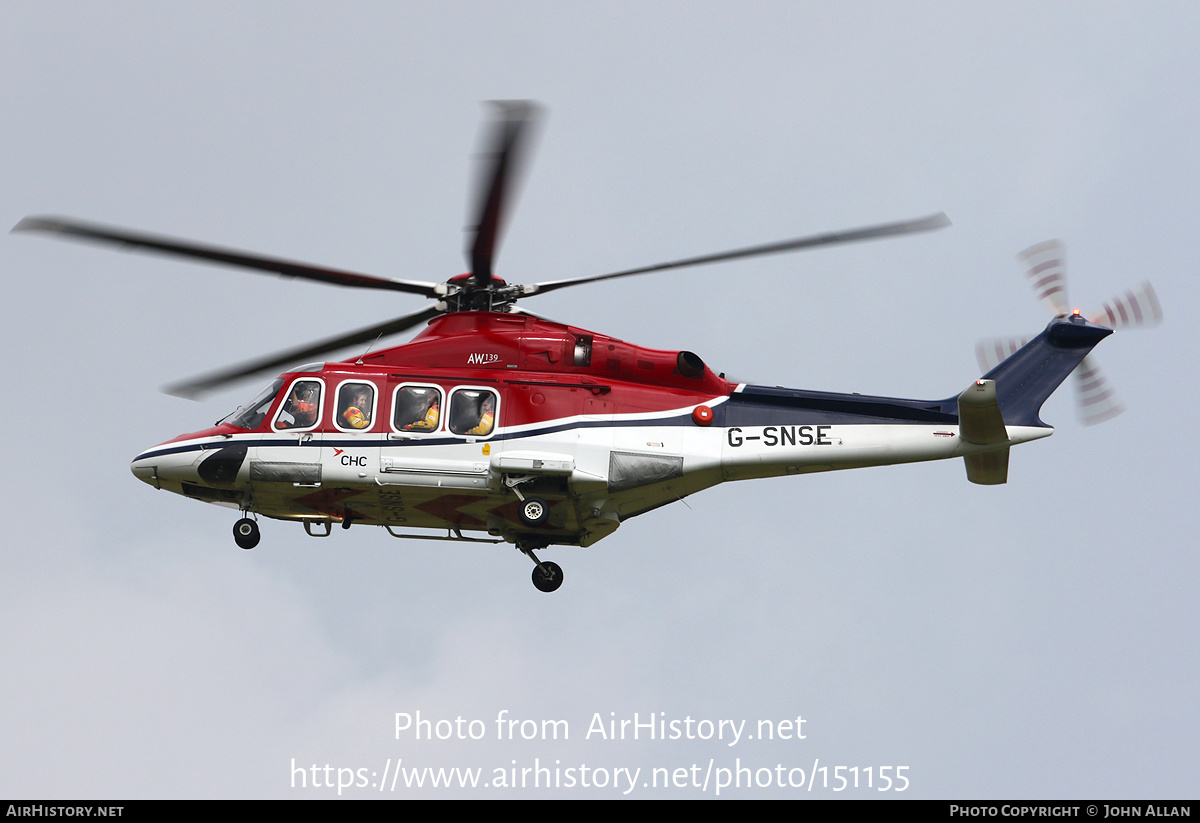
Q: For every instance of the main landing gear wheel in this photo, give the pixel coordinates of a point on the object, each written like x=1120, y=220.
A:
x=245, y=533
x=548, y=580
x=534, y=512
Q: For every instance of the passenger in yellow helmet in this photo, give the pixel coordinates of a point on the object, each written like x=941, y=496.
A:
x=487, y=417
x=357, y=415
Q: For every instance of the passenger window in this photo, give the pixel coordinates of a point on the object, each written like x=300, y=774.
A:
x=473, y=412
x=417, y=409
x=302, y=406
x=355, y=406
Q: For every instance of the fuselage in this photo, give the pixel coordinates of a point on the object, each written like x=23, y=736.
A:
x=452, y=430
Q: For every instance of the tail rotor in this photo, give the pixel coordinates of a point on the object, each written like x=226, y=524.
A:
x=1045, y=268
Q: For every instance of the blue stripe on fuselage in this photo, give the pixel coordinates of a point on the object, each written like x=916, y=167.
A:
x=773, y=405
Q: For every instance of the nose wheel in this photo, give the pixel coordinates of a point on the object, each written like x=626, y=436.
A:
x=547, y=576
x=245, y=533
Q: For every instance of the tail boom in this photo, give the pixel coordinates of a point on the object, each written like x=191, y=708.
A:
x=773, y=431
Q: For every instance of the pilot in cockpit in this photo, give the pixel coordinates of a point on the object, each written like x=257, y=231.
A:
x=300, y=411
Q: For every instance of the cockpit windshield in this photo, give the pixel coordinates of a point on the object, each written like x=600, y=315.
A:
x=251, y=415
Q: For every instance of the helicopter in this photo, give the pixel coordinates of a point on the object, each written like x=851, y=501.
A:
x=496, y=425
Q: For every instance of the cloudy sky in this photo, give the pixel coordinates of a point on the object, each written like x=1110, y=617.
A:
x=1032, y=640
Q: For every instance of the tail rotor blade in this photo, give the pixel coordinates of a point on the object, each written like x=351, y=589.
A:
x=1097, y=400
x=1136, y=307
x=991, y=353
x=1045, y=266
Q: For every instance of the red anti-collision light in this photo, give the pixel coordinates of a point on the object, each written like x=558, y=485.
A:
x=703, y=415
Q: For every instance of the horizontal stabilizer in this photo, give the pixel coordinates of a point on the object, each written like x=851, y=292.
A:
x=988, y=468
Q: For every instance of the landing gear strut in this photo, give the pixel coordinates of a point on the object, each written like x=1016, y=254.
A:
x=245, y=533
x=547, y=576
x=533, y=511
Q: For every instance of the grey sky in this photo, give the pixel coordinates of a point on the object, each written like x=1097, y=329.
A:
x=1032, y=640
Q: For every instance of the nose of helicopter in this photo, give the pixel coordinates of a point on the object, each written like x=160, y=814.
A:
x=167, y=465
x=192, y=463
x=145, y=469
x=151, y=465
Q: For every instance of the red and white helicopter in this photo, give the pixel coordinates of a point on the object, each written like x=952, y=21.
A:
x=498, y=422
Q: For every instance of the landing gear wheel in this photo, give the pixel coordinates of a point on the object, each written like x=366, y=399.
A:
x=547, y=582
x=245, y=533
x=534, y=512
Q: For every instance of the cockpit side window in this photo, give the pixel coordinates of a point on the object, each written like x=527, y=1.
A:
x=251, y=415
x=473, y=412
x=417, y=409
x=355, y=406
x=301, y=408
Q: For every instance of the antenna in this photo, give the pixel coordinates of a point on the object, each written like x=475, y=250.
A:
x=359, y=361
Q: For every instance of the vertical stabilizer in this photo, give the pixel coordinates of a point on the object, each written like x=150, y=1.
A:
x=980, y=423
x=1025, y=380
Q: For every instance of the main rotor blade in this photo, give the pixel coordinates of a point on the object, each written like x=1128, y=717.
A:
x=513, y=309
x=130, y=240
x=935, y=221
x=498, y=175
x=198, y=386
